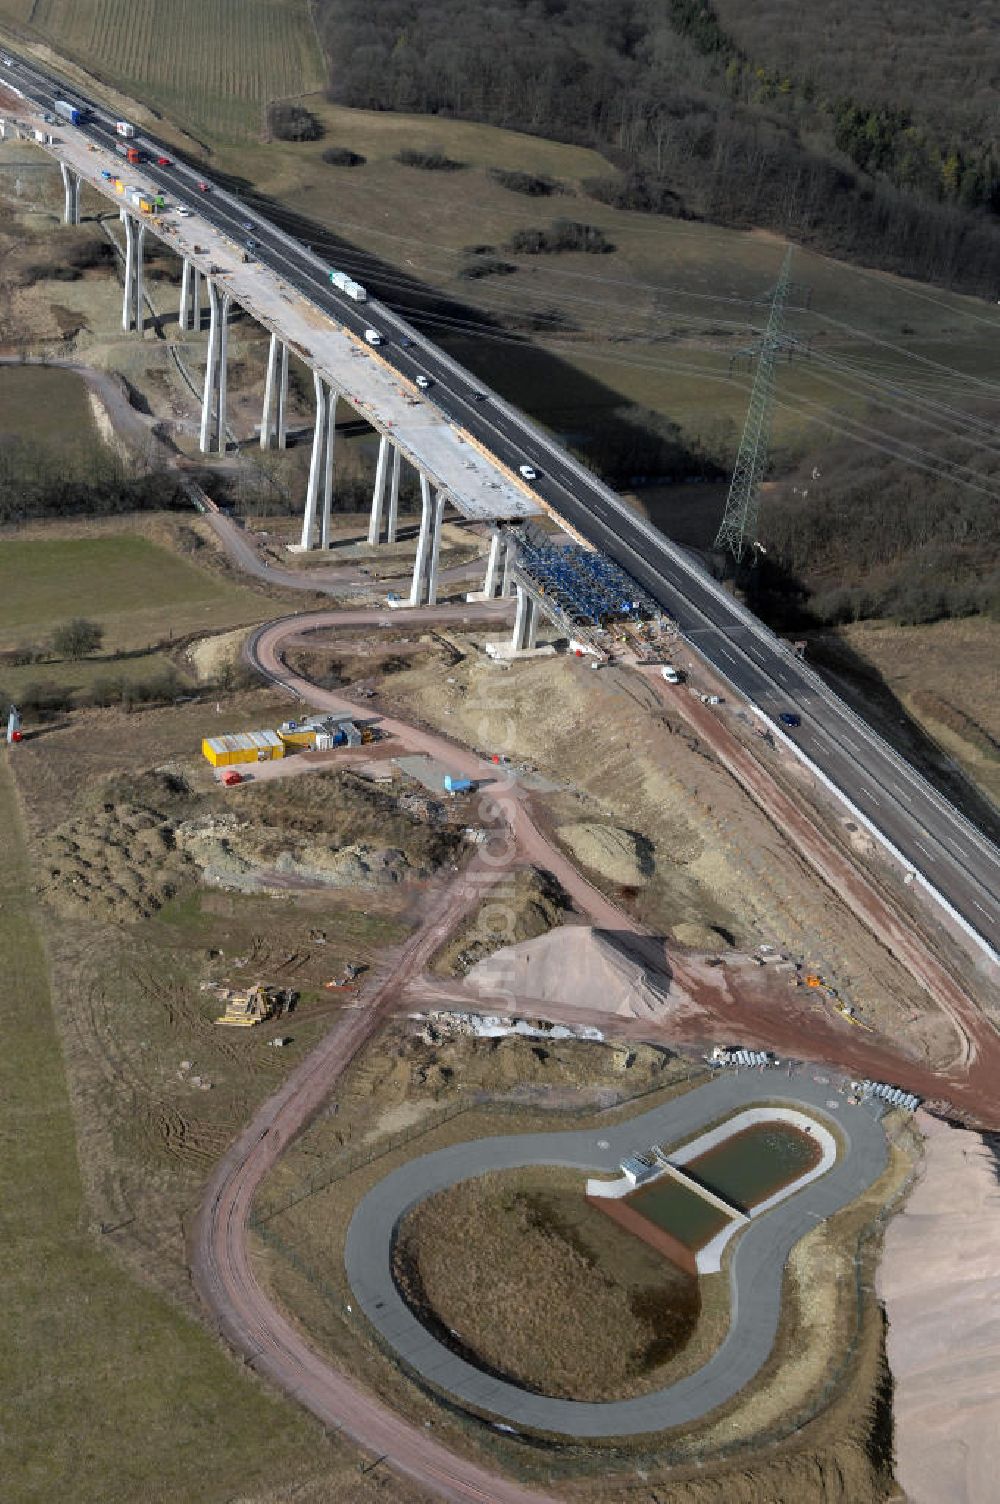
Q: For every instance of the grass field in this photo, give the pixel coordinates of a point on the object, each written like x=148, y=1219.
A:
x=138, y=591
x=656, y=323
x=107, y=1391
x=47, y=406
x=213, y=65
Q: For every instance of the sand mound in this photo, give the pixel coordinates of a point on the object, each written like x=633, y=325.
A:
x=940, y=1282
x=574, y=964
x=619, y=855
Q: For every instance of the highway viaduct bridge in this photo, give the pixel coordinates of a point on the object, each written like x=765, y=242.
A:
x=467, y=446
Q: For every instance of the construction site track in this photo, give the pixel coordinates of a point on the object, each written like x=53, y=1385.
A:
x=220, y=1259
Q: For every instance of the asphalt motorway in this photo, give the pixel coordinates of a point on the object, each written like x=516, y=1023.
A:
x=949, y=856
x=756, y=1268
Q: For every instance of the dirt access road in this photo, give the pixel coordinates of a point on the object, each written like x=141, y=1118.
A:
x=220, y=1259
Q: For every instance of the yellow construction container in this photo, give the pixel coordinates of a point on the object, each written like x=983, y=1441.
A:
x=301, y=736
x=244, y=746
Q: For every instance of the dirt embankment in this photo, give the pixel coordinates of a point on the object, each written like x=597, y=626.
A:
x=137, y=840
x=940, y=1282
x=643, y=798
x=521, y=907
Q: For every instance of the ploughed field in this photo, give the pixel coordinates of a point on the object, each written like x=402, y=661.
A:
x=211, y=64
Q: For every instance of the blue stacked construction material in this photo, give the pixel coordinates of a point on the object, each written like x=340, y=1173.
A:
x=584, y=585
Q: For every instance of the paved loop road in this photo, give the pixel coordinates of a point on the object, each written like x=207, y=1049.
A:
x=756, y=1267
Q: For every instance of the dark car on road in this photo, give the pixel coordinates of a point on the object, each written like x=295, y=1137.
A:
x=789, y=718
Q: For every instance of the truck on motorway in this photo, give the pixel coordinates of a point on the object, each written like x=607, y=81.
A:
x=74, y=113
x=130, y=153
x=347, y=284
x=123, y=128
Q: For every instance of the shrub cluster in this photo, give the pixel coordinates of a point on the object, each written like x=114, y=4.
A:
x=342, y=156
x=292, y=122
x=562, y=235
x=535, y=185
x=431, y=160
x=486, y=266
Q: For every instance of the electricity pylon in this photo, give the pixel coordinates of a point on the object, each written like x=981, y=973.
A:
x=738, y=528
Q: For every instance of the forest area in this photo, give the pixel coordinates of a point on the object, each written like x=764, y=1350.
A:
x=715, y=114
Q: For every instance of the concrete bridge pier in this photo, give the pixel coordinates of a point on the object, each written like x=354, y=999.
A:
x=184, y=308
x=213, y=403
x=425, y=567
x=71, y=186
x=378, y=494
x=510, y=558
x=274, y=419
x=397, y=460
x=133, y=309
x=320, y=487
x=189, y=310
x=525, y=622
x=499, y=569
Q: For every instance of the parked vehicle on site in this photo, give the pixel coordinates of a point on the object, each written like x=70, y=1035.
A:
x=671, y=674
x=76, y=114
x=231, y=777
x=183, y=212
x=528, y=471
x=373, y=337
x=789, y=718
x=123, y=128
x=455, y=785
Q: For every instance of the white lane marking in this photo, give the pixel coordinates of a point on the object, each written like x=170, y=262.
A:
x=869, y=795
x=902, y=794
x=725, y=654
x=929, y=855
x=980, y=907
